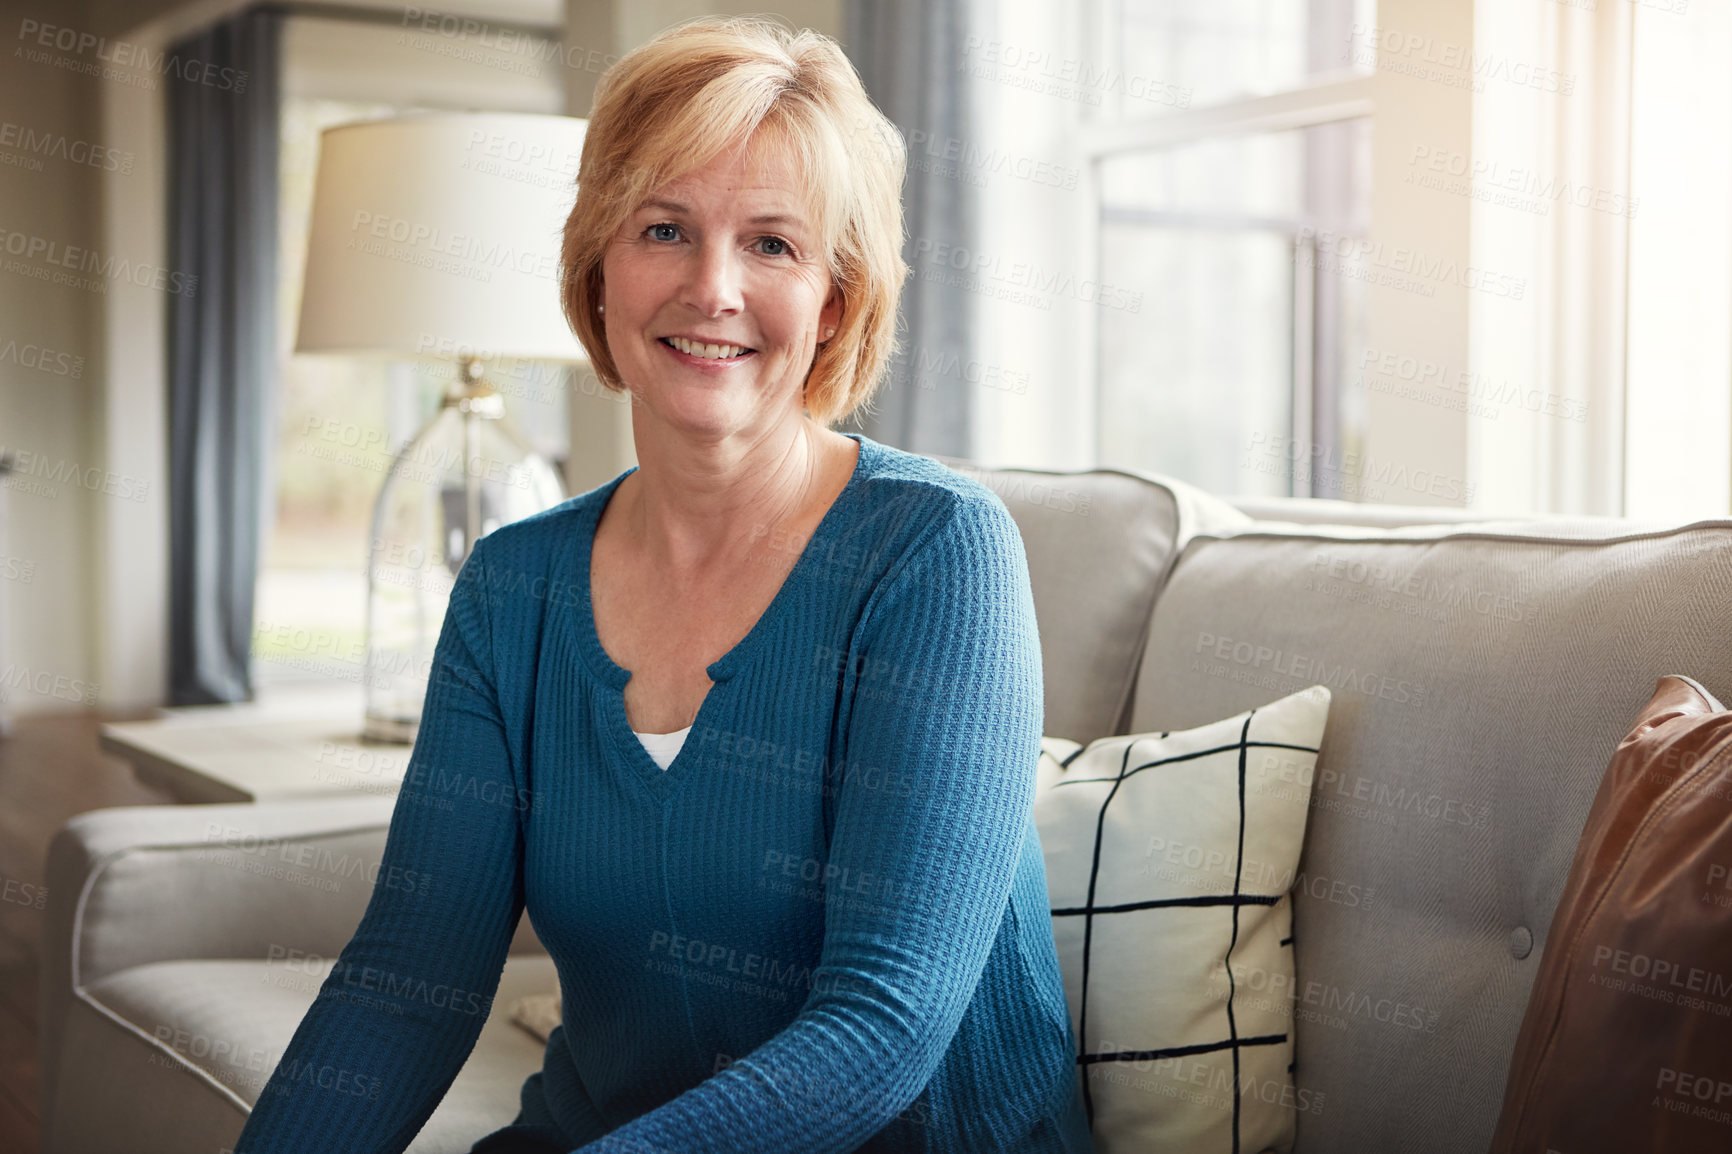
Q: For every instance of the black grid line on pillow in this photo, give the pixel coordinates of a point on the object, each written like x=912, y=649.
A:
x=1234, y=901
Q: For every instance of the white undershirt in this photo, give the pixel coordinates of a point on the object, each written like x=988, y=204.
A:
x=664, y=747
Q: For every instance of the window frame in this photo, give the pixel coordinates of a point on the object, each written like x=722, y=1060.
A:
x=1326, y=98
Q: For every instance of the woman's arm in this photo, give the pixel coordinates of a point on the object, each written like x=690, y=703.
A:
x=398, y=1016
x=934, y=802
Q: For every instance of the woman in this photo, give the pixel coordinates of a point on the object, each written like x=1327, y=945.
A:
x=750, y=730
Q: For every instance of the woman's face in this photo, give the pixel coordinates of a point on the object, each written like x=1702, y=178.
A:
x=716, y=295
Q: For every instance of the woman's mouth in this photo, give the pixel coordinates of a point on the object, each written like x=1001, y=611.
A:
x=707, y=352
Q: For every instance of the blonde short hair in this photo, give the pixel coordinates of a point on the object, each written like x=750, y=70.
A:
x=701, y=88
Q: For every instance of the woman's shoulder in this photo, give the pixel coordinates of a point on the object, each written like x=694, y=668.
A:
x=931, y=495
x=942, y=538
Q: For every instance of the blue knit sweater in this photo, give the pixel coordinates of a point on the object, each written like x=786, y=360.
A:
x=823, y=928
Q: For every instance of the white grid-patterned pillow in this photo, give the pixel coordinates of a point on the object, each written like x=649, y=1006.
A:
x=1169, y=858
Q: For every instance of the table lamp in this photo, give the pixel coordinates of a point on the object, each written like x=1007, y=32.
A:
x=438, y=235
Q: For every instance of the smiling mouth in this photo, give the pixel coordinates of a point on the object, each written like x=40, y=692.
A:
x=706, y=352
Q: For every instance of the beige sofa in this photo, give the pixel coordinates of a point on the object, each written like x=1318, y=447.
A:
x=1482, y=673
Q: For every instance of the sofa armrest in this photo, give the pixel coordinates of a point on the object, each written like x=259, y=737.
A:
x=143, y=884
x=138, y=884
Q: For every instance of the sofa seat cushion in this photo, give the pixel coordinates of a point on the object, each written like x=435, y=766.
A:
x=208, y=1034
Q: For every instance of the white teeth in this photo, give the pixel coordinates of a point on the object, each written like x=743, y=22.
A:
x=708, y=352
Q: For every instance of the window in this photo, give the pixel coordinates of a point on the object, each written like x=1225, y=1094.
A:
x=1220, y=50
x=1234, y=214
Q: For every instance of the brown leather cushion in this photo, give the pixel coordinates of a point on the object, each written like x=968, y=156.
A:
x=1627, y=1040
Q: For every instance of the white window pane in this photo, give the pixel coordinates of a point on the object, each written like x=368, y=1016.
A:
x=1245, y=352
x=1318, y=177
x=1248, y=176
x=1215, y=50
x=1187, y=381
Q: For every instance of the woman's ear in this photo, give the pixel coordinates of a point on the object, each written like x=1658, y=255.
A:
x=830, y=316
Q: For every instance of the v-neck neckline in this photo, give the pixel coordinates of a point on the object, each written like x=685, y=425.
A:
x=615, y=676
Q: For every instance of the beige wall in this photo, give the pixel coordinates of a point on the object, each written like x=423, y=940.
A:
x=46, y=640
x=90, y=626
x=1423, y=445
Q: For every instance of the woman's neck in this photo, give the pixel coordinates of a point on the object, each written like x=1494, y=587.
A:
x=693, y=504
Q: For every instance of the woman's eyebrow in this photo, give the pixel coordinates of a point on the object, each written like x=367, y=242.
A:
x=783, y=219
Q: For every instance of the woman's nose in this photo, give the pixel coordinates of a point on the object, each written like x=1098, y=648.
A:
x=713, y=288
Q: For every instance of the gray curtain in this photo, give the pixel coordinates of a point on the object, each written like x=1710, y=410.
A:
x=222, y=107
x=910, y=55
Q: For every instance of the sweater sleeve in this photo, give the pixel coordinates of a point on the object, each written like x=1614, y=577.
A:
x=933, y=802
x=399, y=1014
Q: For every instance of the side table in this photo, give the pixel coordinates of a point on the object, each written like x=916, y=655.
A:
x=291, y=743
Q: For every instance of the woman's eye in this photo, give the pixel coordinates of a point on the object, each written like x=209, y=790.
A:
x=773, y=246
x=664, y=232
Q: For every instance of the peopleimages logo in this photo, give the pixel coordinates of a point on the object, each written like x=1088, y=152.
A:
x=76, y=259
x=1065, y=77
x=461, y=32
x=1695, y=1095
x=968, y=154
x=119, y=59
x=45, y=683
x=1450, y=62
x=45, y=360
x=1329, y=569
x=57, y=146
x=1358, y=256
x=33, y=472
x=1288, y=663
x=1464, y=390
x=929, y=365
x=1663, y=971
x=1330, y=468
x=431, y=247
x=1511, y=186
x=1019, y=282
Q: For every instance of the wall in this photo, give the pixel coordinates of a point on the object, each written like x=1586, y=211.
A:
x=1416, y=452
x=49, y=363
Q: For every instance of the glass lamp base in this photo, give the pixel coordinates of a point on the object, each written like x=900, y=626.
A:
x=464, y=474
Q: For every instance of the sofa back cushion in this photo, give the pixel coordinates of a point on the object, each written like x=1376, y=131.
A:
x=1481, y=677
x=1099, y=544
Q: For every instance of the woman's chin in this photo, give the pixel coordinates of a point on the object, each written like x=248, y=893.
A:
x=707, y=410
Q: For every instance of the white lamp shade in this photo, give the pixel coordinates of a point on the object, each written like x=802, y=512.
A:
x=438, y=235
